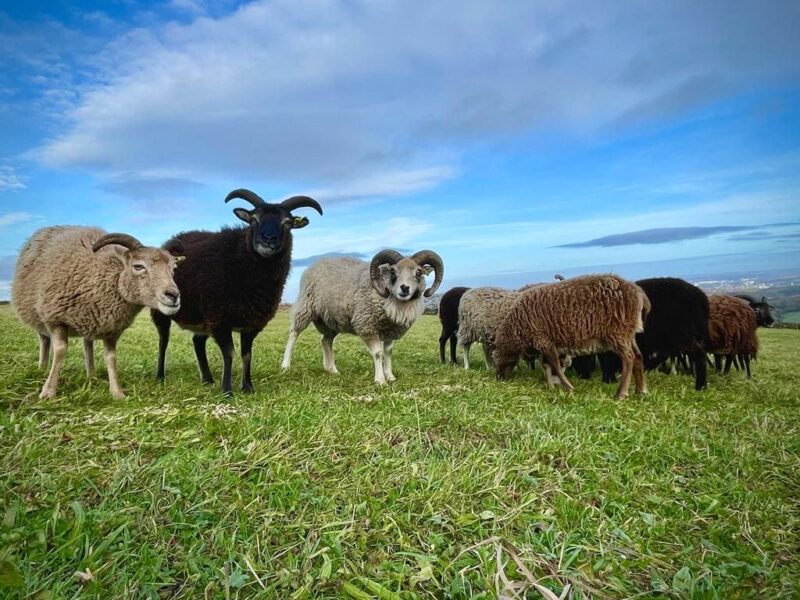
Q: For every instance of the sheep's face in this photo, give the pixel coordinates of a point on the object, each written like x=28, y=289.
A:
x=146, y=278
x=405, y=279
x=764, y=310
x=270, y=228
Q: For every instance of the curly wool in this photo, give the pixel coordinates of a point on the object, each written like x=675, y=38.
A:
x=731, y=326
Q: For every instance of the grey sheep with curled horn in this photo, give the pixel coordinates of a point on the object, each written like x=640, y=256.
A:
x=378, y=301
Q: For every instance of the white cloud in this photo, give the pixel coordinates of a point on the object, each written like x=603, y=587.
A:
x=9, y=180
x=336, y=95
x=13, y=218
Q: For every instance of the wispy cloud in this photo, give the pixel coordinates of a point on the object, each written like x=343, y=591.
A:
x=304, y=262
x=9, y=181
x=13, y=218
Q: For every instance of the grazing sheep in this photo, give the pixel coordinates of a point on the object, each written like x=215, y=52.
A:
x=232, y=280
x=480, y=316
x=84, y=282
x=732, y=330
x=448, y=315
x=762, y=308
x=583, y=315
x=377, y=301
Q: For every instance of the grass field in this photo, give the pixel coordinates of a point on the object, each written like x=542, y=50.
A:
x=445, y=485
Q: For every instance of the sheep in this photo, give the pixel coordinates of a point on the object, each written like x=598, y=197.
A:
x=732, y=330
x=583, y=315
x=85, y=282
x=232, y=280
x=676, y=325
x=480, y=315
x=762, y=308
x=448, y=316
x=378, y=301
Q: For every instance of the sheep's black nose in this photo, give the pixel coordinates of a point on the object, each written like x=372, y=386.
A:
x=404, y=289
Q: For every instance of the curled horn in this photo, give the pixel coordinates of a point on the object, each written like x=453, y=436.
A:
x=301, y=202
x=120, y=239
x=430, y=258
x=381, y=258
x=246, y=195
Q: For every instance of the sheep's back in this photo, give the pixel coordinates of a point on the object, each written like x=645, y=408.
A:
x=731, y=326
x=582, y=314
x=481, y=313
x=678, y=319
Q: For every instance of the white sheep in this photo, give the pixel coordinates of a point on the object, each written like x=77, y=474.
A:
x=377, y=301
x=84, y=282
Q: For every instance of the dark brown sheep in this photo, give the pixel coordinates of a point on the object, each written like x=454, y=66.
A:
x=732, y=330
x=583, y=315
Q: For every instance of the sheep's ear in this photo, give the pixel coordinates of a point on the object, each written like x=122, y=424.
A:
x=299, y=222
x=244, y=214
x=385, y=271
x=120, y=253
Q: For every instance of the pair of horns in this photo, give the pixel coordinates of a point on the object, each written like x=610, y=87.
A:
x=289, y=204
x=422, y=258
x=119, y=239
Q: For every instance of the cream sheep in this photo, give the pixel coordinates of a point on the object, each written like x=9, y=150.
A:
x=378, y=301
x=84, y=282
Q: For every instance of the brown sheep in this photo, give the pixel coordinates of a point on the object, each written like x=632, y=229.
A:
x=582, y=315
x=732, y=330
x=82, y=281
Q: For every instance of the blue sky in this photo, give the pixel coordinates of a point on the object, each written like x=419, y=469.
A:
x=517, y=139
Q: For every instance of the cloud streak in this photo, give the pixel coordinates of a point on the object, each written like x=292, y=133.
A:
x=661, y=235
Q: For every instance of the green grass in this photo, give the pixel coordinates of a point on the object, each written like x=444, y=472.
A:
x=327, y=487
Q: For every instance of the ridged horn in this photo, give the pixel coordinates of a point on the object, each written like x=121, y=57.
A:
x=120, y=239
x=247, y=196
x=294, y=202
x=381, y=258
x=430, y=258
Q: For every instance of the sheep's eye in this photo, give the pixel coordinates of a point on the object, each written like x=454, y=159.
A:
x=139, y=268
x=419, y=274
x=394, y=277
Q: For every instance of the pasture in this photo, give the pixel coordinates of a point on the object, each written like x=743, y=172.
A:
x=447, y=484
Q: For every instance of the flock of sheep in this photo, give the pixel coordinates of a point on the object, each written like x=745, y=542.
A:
x=84, y=282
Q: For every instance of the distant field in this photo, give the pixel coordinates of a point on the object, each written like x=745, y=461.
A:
x=791, y=317
x=448, y=484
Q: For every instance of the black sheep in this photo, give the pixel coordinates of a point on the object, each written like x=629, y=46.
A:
x=677, y=323
x=448, y=315
x=762, y=308
x=232, y=280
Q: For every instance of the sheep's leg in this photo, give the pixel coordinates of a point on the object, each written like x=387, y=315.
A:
x=328, y=359
x=700, y=369
x=246, y=342
x=465, y=351
x=387, y=360
x=44, y=350
x=162, y=323
x=58, y=336
x=442, y=343
x=746, y=360
x=453, y=343
x=718, y=362
x=487, y=355
x=548, y=375
x=224, y=339
x=728, y=362
x=110, y=355
x=627, y=358
x=199, y=343
x=638, y=371
x=88, y=356
x=555, y=363
x=375, y=347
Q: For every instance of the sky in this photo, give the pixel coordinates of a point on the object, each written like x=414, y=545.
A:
x=516, y=139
